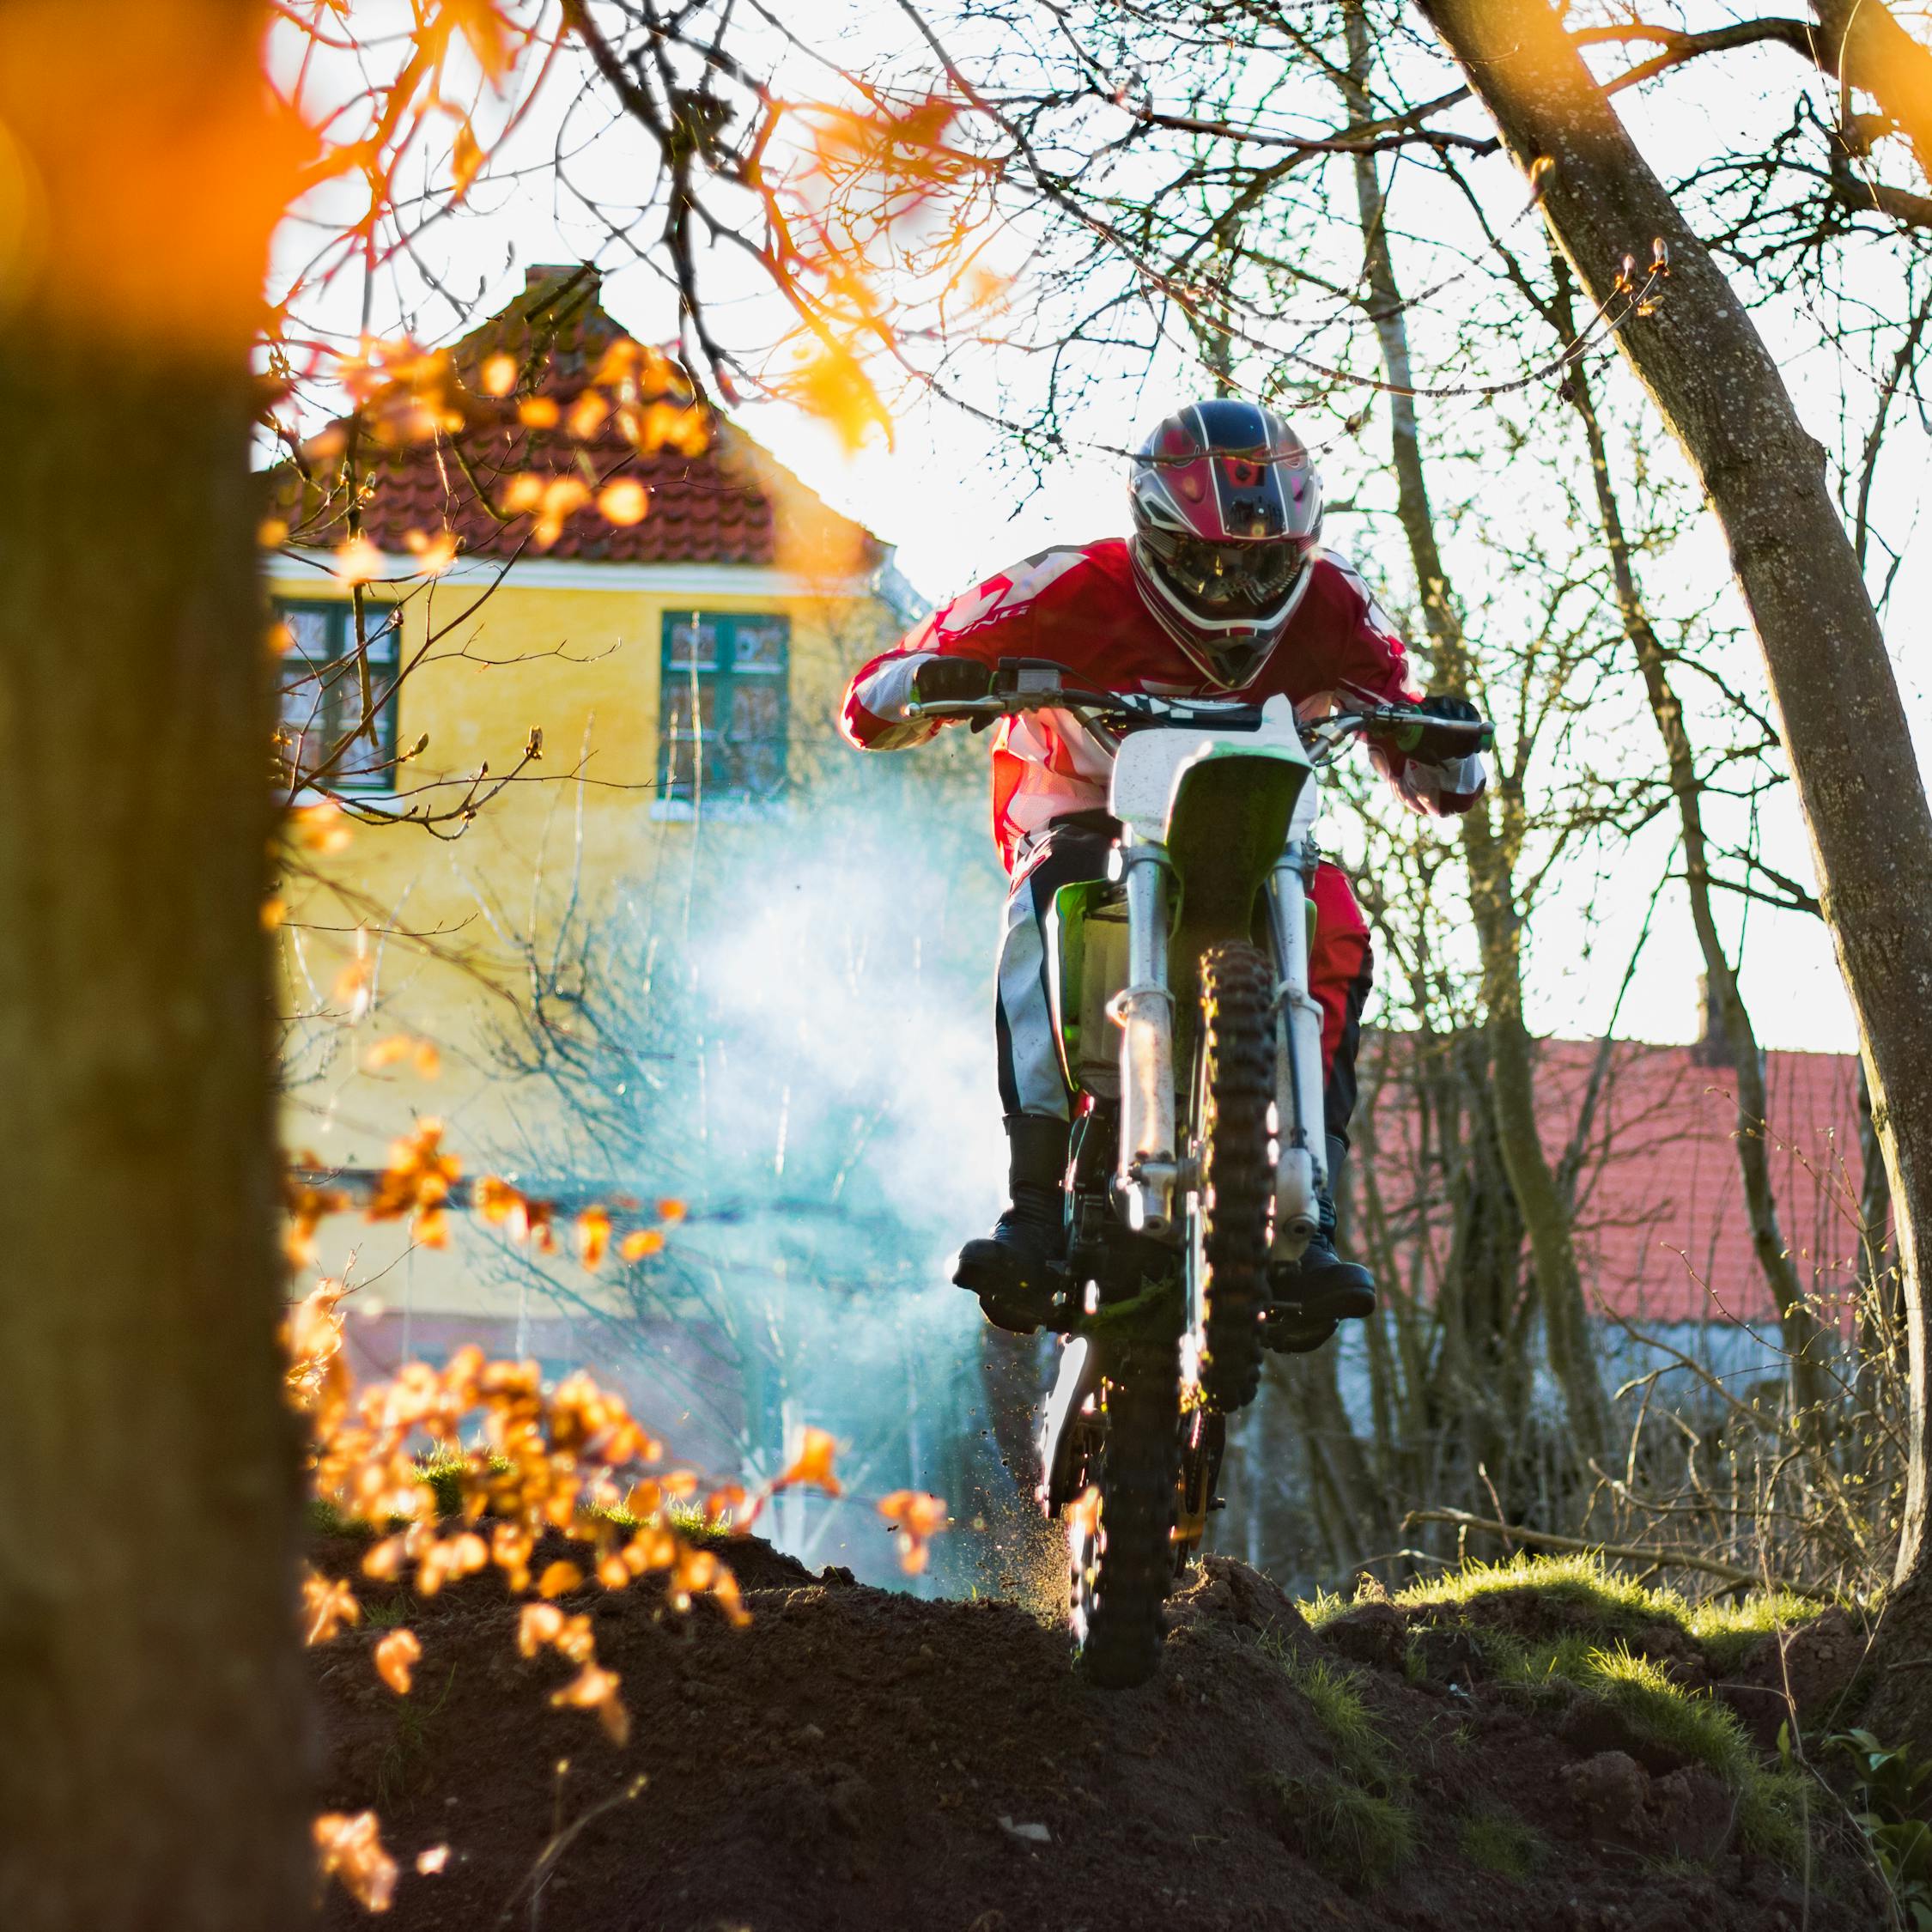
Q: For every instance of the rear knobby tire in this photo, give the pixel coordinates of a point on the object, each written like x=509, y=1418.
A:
x=1237, y=1184
x=1122, y=1570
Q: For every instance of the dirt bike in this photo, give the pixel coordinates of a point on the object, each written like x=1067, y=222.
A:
x=1179, y=993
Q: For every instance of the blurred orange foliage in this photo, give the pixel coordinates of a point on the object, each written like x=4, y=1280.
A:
x=350, y=1849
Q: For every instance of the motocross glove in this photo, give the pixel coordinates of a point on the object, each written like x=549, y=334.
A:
x=1458, y=710
x=951, y=680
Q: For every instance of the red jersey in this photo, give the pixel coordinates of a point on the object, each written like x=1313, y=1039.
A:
x=1079, y=606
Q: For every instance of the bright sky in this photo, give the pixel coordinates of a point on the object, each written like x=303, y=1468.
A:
x=956, y=508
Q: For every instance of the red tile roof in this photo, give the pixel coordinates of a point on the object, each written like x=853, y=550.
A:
x=1661, y=1232
x=730, y=502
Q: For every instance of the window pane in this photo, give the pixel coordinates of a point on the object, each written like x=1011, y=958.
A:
x=722, y=696
x=321, y=697
x=688, y=643
x=679, y=708
x=754, y=770
x=761, y=644
x=757, y=709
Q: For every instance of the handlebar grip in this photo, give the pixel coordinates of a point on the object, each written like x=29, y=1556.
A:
x=1417, y=735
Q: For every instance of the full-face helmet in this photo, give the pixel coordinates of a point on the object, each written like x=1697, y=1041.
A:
x=1227, y=524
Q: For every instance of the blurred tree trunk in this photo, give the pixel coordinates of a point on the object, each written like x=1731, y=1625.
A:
x=1844, y=729
x=1490, y=832
x=153, y=1772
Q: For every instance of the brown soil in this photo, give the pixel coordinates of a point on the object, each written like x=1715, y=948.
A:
x=862, y=1760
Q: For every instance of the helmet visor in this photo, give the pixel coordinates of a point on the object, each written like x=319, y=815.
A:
x=1227, y=577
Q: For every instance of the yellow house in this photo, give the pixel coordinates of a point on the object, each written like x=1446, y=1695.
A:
x=606, y=689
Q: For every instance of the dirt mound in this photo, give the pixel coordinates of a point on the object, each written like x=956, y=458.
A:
x=859, y=1759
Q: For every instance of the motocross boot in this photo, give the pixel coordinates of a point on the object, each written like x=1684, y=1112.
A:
x=1321, y=1287
x=1016, y=1270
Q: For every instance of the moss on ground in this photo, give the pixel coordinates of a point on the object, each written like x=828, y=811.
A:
x=1600, y=1657
x=1728, y=1630
x=1499, y=1842
x=1692, y=1726
x=1358, y=1835
x=1614, y=1602
x=1354, y=1821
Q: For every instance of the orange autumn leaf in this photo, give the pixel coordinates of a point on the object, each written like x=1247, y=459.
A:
x=417, y=1181
x=357, y=562
x=466, y=157
x=273, y=532
x=813, y=1463
x=538, y=1625
x=350, y=1849
x=430, y=1862
x=449, y=1561
x=586, y=416
x=328, y=1604
x=396, y=1655
x=919, y=1517
x=275, y=910
x=385, y=1560
x=482, y=24
x=434, y=555
x=593, y=1237
x=641, y=1242
x=320, y=827
x=595, y=1688
x=558, y=1577
x=355, y=988
x=563, y=496
x=624, y=502
x=539, y=412
x=672, y=1211
x=831, y=384
x=723, y=1504
x=499, y=374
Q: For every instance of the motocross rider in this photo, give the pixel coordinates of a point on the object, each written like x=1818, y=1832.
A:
x=1224, y=589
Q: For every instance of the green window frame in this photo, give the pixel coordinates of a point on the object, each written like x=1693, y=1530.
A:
x=321, y=691
x=724, y=710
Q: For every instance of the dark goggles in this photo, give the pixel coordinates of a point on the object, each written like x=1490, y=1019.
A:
x=1253, y=576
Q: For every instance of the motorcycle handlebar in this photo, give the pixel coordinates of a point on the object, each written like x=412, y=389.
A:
x=1023, y=684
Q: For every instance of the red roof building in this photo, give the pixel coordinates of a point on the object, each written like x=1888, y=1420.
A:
x=1662, y=1230
x=554, y=390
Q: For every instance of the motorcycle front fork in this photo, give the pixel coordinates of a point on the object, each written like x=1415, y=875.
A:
x=1150, y=1177
x=1301, y=1174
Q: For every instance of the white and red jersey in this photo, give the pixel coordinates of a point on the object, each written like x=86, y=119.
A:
x=1078, y=606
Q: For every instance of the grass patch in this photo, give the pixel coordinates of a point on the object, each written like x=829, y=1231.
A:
x=1729, y=1630
x=1361, y=1751
x=1693, y=1726
x=1358, y=1835
x=325, y=1519
x=1322, y=1608
x=1499, y=1842
x=1354, y=1821
x=1725, y=1631
x=1614, y=1601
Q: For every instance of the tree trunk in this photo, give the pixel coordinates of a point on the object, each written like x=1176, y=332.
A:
x=1867, y=48
x=1488, y=851
x=1806, y=1343
x=153, y=1770
x=1844, y=728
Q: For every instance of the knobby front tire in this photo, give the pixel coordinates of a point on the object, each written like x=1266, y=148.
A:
x=1124, y=1561
x=1233, y=1092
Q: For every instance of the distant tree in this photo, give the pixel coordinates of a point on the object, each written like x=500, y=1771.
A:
x=1718, y=388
